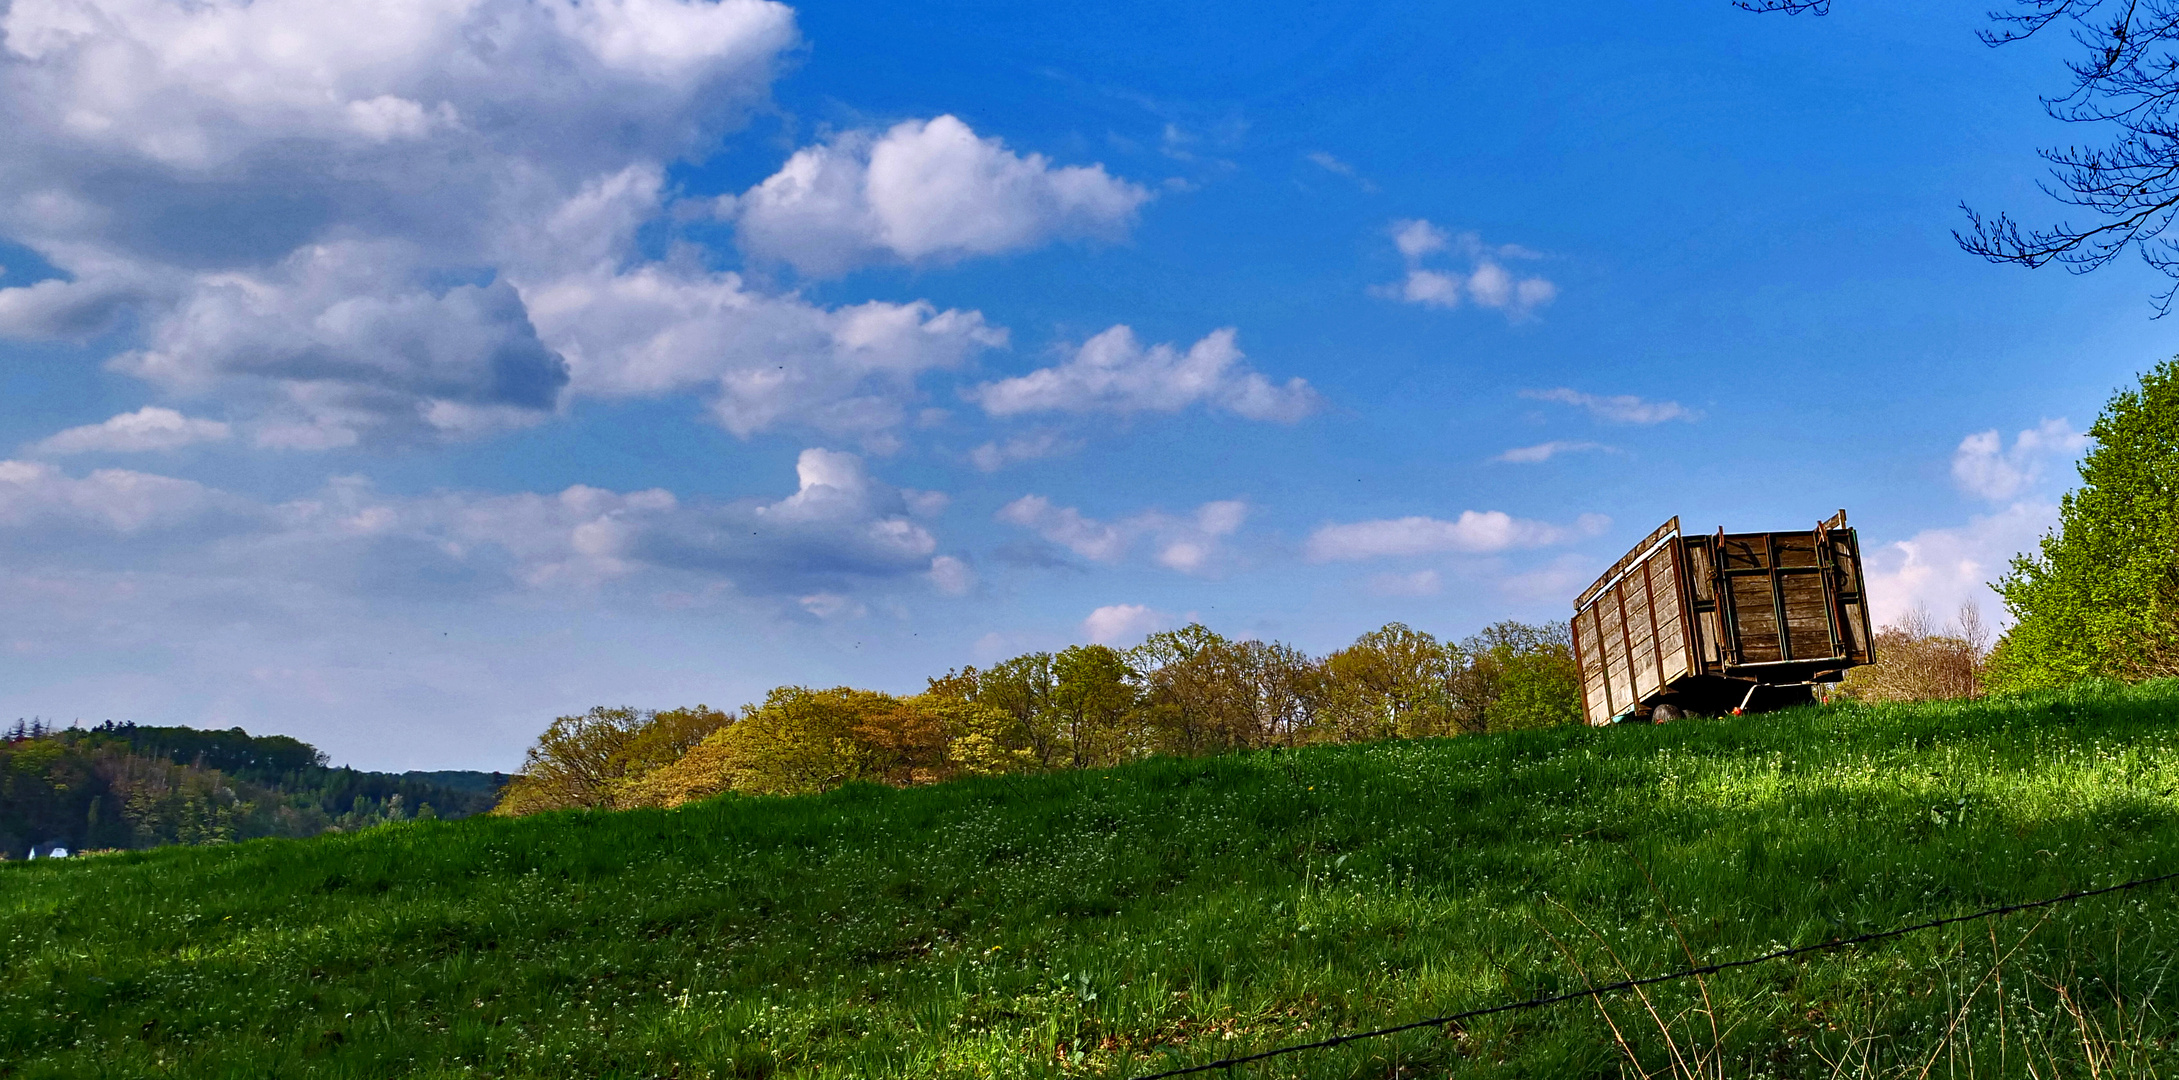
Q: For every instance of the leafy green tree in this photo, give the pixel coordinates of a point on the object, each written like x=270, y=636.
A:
x=1391, y=683
x=1514, y=675
x=1095, y=703
x=2101, y=595
x=1023, y=688
x=1196, y=693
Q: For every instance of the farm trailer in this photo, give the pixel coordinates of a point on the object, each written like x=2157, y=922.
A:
x=1725, y=622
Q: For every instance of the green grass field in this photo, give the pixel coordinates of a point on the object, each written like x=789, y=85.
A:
x=1112, y=923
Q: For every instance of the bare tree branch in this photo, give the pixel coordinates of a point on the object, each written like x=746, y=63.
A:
x=2126, y=82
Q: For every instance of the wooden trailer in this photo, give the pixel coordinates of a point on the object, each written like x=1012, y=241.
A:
x=1719, y=623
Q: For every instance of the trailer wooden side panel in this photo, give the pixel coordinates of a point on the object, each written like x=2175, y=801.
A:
x=1853, y=607
x=1631, y=635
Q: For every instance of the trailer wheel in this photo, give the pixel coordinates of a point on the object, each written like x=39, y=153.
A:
x=1663, y=714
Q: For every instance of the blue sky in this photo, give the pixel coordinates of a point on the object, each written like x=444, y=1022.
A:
x=403, y=375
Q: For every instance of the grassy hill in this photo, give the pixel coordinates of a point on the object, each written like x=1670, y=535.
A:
x=1173, y=911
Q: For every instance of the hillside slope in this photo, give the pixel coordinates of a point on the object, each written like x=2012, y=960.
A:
x=1168, y=912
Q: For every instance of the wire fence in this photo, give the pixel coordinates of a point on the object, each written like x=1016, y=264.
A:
x=1652, y=980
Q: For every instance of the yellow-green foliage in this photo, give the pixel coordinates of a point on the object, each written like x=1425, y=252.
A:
x=2100, y=597
x=1188, y=692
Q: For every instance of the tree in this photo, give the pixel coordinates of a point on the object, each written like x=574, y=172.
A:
x=589, y=760
x=1391, y=683
x=1915, y=661
x=1196, y=696
x=1094, y=702
x=2125, y=80
x=2101, y=596
x=1022, y=688
x=801, y=741
x=1512, y=675
x=1284, y=689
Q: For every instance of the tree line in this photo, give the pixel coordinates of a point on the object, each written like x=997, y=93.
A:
x=121, y=785
x=1182, y=692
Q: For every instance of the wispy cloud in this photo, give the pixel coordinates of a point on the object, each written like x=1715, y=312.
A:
x=148, y=428
x=1191, y=544
x=1542, y=452
x=1473, y=533
x=1337, y=167
x=1618, y=408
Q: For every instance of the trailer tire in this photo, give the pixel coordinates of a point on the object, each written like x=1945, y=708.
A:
x=1664, y=714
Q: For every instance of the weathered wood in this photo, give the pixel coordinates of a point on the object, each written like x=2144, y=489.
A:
x=1778, y=607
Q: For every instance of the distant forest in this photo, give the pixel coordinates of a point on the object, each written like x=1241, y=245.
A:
x=128, y=786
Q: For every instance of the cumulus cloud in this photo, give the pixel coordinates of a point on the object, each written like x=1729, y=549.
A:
x=342, y=344
x=1067, y=527
x=840, y=532
x=1982, y=465
x=952, y=576
x=763, y=361
x=1617, y=409
x=1936, y=570
x=1473, y=533
x=419, y=219
x=1123, y=624
x=1114, y=373
x=924, y=190
x=1542, y=452
x=148, y=428
x=40, y=496
x=1482, y=280
x=1193, y=544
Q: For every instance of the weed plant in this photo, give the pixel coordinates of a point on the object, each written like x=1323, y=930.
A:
x=1111, y=923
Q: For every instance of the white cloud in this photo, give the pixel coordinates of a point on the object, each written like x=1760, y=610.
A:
x=995, y=455
x=1618, y=409
x=1419, y=583
x=827, y=605
x=419, y=218
x=1067, y=527
x=763, y=361
x=148, y=428
x=1472, y=533
x=1114, y=373
x=1936, y=570
x=338, y=338
x=1118, y=624
x=840, y=532
x=952, y=576
x=924, y=191
x=1192, y=545
x=205, y=85
x=1541, y=452
x=1337, y=167
x=1559, y=581
x=38, y=496
x=1982, y=467
x=1484, y=282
